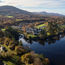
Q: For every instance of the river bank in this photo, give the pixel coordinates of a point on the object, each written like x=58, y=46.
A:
x=53, y=48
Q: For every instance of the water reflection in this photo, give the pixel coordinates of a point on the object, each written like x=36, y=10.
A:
x=49, y=40
x=52, y=47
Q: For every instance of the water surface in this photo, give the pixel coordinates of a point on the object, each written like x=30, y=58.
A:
x=54, y=49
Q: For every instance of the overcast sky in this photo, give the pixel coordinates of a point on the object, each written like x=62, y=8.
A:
x=57, y=6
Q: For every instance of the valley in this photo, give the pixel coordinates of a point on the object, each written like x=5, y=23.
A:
x=31, y=38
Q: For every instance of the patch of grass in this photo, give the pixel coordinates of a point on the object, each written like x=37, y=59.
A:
x=48, y=34
x=3, y=29
x=9, y=16
x=19, y=19
x=42, y=25
x=31, y=35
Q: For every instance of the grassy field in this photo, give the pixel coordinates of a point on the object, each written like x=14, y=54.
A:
x=8, y=63
x=19, y=19
x=9, y=16
x=31, y=35
x=3, y=29
x=42, y=25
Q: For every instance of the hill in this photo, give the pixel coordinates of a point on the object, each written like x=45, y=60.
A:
x=48, y=14
x=10, y=15
x=12, y=11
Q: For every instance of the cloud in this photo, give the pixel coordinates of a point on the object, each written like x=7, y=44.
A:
x=1, y=1
x=36, y=5
x=32, y=3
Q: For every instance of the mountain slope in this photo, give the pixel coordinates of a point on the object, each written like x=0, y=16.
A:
x=48, y=14
x=13, y=11
x=10, y=10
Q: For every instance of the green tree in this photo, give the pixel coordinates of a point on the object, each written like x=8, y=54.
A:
x=12, y=33
x=43, y=34
x=53, y=28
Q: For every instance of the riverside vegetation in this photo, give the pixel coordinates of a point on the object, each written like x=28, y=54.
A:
x=12, y=51
x=44, y=30
x=31, y=26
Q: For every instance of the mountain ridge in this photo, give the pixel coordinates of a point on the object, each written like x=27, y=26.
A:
x=13, y=11
x=49, y=14
x=10, y=10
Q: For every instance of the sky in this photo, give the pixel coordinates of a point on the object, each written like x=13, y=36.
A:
x=55, y=6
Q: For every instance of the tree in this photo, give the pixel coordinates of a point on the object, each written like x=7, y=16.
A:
x=53, y=28
x=12, y=33
x=20, y=50
x=43, y=34
x=1, y=34
x=32, y=58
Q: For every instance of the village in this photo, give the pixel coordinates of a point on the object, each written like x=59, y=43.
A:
x=36, y=28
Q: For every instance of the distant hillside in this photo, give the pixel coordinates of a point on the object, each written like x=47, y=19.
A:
x=48, y=14
x=13, y=11
x=18, y=13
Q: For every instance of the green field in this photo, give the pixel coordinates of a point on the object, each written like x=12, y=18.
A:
x=19, y=19
x=39, y=26
x=30, y=35
x=3, y=29
x=9, y=16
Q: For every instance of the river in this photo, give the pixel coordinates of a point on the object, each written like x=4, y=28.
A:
x=54, y=48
